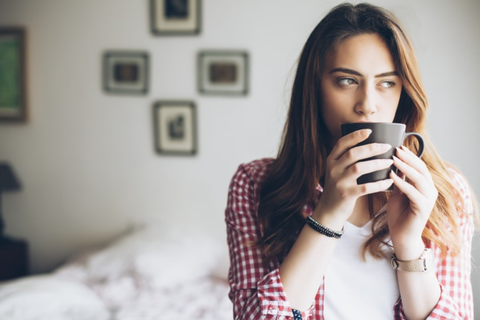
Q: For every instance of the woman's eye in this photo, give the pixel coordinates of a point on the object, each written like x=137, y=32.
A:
x=346, y=81
x=387, y=84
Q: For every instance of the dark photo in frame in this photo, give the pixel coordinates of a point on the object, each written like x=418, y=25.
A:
x=176, y=9
x=222, y=72
x=13, y=100
x=175, y=17
x=175, y=128
x=125, y=72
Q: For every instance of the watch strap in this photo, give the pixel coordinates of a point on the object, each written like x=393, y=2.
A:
x=422, y=264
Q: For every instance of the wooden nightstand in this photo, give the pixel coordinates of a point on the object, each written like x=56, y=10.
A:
x=13, y=258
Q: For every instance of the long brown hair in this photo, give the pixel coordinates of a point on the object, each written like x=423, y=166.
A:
x=300, y=163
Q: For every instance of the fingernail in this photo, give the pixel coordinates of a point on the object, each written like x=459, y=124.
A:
x=386, y=147
x=389, y=181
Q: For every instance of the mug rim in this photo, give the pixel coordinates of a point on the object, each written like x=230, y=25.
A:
x=375, y=123
x=354, y=126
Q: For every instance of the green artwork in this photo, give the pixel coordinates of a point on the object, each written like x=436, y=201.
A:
x=9, y=74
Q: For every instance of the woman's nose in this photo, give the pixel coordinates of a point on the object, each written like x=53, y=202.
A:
x=366, y=103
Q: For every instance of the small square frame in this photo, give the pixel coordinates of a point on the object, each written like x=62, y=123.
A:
x=175, y=17
x=125, y=72
x=223, y=72
x=13, y=99
x=175, y=127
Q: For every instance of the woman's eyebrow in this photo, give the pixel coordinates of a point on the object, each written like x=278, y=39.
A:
x=345, y=70
x=387, y=74
x=356, y=73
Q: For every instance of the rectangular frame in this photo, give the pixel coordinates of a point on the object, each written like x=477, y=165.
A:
x=13, y=99
x=175, y=17
x=223, y=72
x=175, y=127
x=125, y=72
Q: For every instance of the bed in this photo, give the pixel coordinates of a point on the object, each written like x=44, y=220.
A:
x=151, y=273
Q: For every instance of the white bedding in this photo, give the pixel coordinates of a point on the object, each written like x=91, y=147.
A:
x=151, y=274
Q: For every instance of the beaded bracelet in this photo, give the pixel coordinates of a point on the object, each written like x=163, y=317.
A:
x=323, y=230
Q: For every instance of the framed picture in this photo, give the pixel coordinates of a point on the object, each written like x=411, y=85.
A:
x=125, y=72
x=175, y=17
x=13, y=98
x=175, y=124
x=223, y=72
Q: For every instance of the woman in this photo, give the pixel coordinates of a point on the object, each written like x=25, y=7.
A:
x=305, y=240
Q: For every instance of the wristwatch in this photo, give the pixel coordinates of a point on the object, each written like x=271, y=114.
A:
x=422, y=264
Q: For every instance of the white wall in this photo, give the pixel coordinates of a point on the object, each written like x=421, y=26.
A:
x=86, y=159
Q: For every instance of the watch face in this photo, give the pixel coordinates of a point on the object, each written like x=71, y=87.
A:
x=429, y=259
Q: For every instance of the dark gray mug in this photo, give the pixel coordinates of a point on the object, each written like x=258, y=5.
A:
x=382, y=132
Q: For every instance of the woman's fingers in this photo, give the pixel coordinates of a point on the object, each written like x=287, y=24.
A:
x=350, y=173
x=413, y=161
x=347, y=180
x=350, y=140
x=409, y=190
x=351, y=162
x=360, y=168
x=374, y=187
x=416, y=171
x=409, y=172
x=420, y=189
x=364, y=152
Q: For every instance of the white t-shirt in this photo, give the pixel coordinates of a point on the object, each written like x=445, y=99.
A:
x=358, y=289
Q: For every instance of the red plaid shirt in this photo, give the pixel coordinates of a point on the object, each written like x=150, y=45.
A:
x=255, y=286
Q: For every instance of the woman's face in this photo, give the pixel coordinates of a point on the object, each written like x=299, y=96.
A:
x=360, y=83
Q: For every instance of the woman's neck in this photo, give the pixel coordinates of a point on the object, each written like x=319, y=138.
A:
x=361, y=213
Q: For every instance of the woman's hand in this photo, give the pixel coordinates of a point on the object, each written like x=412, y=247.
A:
x=410, y=204
x=343, y=168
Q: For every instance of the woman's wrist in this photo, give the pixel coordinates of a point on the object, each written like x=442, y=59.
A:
x=409, y=250
x=329, y=220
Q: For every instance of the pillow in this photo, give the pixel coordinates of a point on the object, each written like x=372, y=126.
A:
x=157, y=256
x=49, y=298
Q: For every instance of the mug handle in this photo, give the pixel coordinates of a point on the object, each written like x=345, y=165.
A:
x=421, y=144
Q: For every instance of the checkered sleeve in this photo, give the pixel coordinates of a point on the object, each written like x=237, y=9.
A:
x=453, y=272
x=256, y=289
